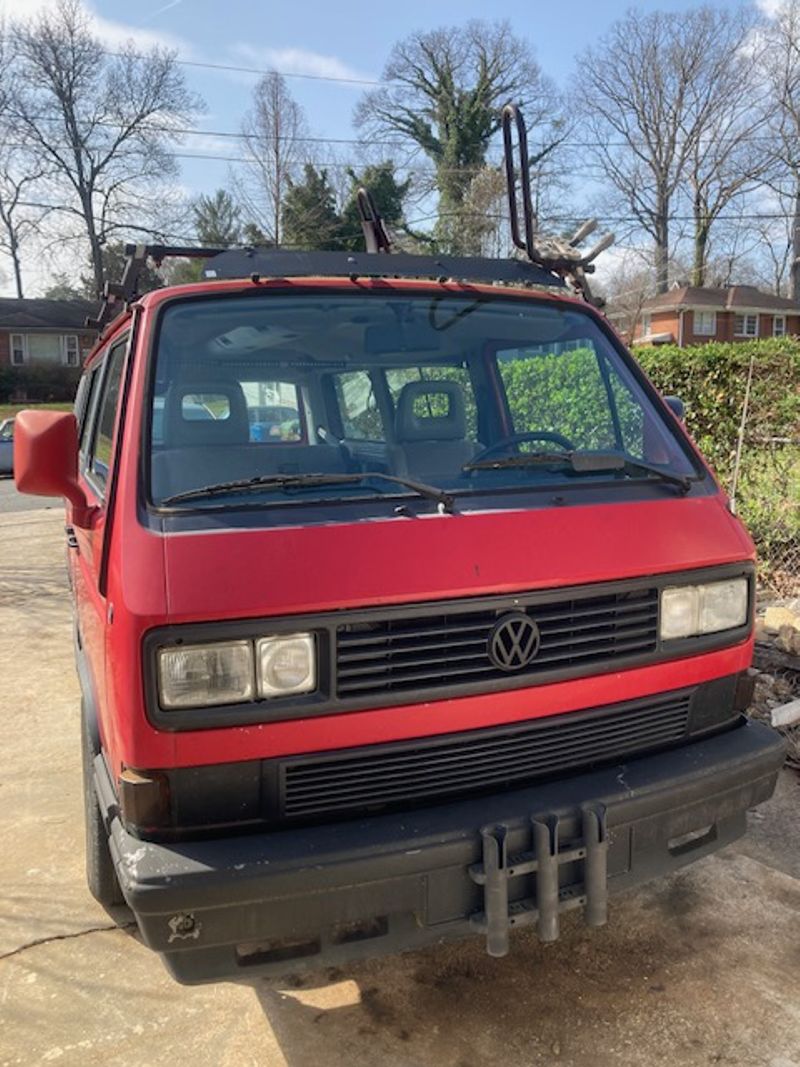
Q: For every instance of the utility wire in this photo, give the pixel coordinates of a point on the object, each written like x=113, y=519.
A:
x=363, y=141
x=570, y=218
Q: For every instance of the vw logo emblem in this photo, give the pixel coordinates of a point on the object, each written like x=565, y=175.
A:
x=513, y=642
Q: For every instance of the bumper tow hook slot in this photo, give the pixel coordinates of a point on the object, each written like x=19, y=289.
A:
x=548, y=898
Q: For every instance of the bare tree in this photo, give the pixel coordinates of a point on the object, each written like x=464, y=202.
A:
x=484, y=213
x=625, y=289
x=102, y=124
x=653, y=110
x=19, y=175
x=782, y=60
x=20, y=217
x=274, y=133
x=443, y=93
x=725, y=116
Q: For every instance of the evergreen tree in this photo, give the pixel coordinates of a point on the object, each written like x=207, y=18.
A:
x=388, y=193
x=217, y=220
x=310, y=218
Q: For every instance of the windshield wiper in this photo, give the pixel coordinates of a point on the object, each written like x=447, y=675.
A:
x=583, y=462
x=301, y=481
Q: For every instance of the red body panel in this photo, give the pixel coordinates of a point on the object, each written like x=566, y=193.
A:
x=227, y=574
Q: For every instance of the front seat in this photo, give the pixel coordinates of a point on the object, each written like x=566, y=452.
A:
x=199, y=448
x=430, y=431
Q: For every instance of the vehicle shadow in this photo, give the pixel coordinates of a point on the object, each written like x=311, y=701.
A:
x=573, y=1001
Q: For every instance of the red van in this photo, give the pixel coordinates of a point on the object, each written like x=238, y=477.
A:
x=405, y=609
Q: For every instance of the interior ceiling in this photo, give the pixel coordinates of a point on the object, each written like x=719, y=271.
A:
x=310, y=330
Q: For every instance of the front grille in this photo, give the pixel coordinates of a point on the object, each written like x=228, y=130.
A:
x=431, y=650
x=405, y=773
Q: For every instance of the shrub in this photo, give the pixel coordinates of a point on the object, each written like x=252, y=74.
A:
x=711, y=379
x=39, y=383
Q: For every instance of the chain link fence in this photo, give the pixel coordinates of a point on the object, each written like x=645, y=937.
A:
x=767, y=497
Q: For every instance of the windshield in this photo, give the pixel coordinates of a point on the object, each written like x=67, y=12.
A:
x=416, y=386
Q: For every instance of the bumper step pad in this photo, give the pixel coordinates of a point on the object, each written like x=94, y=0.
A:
x=548, y=900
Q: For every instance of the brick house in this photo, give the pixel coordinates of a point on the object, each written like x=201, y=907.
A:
x=44, y=332
x=688, y=315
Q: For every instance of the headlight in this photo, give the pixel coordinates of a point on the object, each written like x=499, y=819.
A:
x=691, y=610
x=191, y=676
x=286, y=665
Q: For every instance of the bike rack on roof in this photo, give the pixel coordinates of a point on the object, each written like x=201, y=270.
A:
x=551, y=262
x=376, y=236
x=557, y=254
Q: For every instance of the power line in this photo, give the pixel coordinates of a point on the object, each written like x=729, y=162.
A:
x=235, y=69
x=499, y=217
x=185, y=131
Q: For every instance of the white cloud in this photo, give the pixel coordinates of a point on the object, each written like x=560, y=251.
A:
x=298, y=61
x=769, y=7
x=113, y=34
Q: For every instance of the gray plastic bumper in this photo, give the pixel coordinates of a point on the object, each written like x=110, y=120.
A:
x=310, y=896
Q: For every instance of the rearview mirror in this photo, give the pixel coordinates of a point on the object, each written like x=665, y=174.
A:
x=46, y=458
x=676, y=406
x=400, y=337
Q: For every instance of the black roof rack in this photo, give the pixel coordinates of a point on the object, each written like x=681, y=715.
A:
x=258, y=263
x=551, y=262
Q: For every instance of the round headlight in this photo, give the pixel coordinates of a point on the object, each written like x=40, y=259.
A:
x=286, y=665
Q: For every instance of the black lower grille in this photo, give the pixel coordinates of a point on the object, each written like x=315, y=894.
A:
x=404, y=773
x=447, y=646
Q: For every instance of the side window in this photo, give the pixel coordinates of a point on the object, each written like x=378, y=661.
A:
x=108, y=400
x=558, y=392
x=358, y=408
x=84, y=407
x=630, y=415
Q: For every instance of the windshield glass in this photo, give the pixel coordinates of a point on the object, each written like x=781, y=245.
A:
x=412, y=385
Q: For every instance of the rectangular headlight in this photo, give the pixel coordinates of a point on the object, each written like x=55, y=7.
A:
x=692, y=610
x=194, y=676
x=287, y=664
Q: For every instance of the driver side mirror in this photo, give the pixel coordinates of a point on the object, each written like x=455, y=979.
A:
x=46, y=459
x=676, y=406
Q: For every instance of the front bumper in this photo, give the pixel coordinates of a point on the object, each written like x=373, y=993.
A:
x=279, y=901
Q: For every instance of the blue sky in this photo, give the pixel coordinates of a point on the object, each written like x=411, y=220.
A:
x=310, y=42
x=349, y=39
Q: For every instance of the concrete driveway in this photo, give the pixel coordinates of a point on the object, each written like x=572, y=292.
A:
x=703, y=968
x=11, y=500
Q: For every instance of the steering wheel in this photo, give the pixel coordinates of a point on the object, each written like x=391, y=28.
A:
x=505, y=443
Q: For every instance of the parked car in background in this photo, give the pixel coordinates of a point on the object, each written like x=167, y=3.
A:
x=274, y=422
x=6, y=446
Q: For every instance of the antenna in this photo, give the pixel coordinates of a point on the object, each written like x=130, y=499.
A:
x=557, y=254
x=376, y=235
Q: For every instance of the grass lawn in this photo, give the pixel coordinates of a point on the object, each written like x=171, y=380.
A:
x=7, y=410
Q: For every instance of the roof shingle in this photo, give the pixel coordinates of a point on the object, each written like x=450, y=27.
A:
x=16, y=314
x=730, y=299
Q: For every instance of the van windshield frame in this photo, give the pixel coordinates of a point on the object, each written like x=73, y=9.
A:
x=386, y=380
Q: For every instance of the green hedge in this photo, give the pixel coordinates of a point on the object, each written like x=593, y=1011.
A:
x=711, y=379
x=39, y=383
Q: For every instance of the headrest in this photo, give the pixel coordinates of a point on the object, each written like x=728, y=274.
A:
x=430, y=411
x=188, y=421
